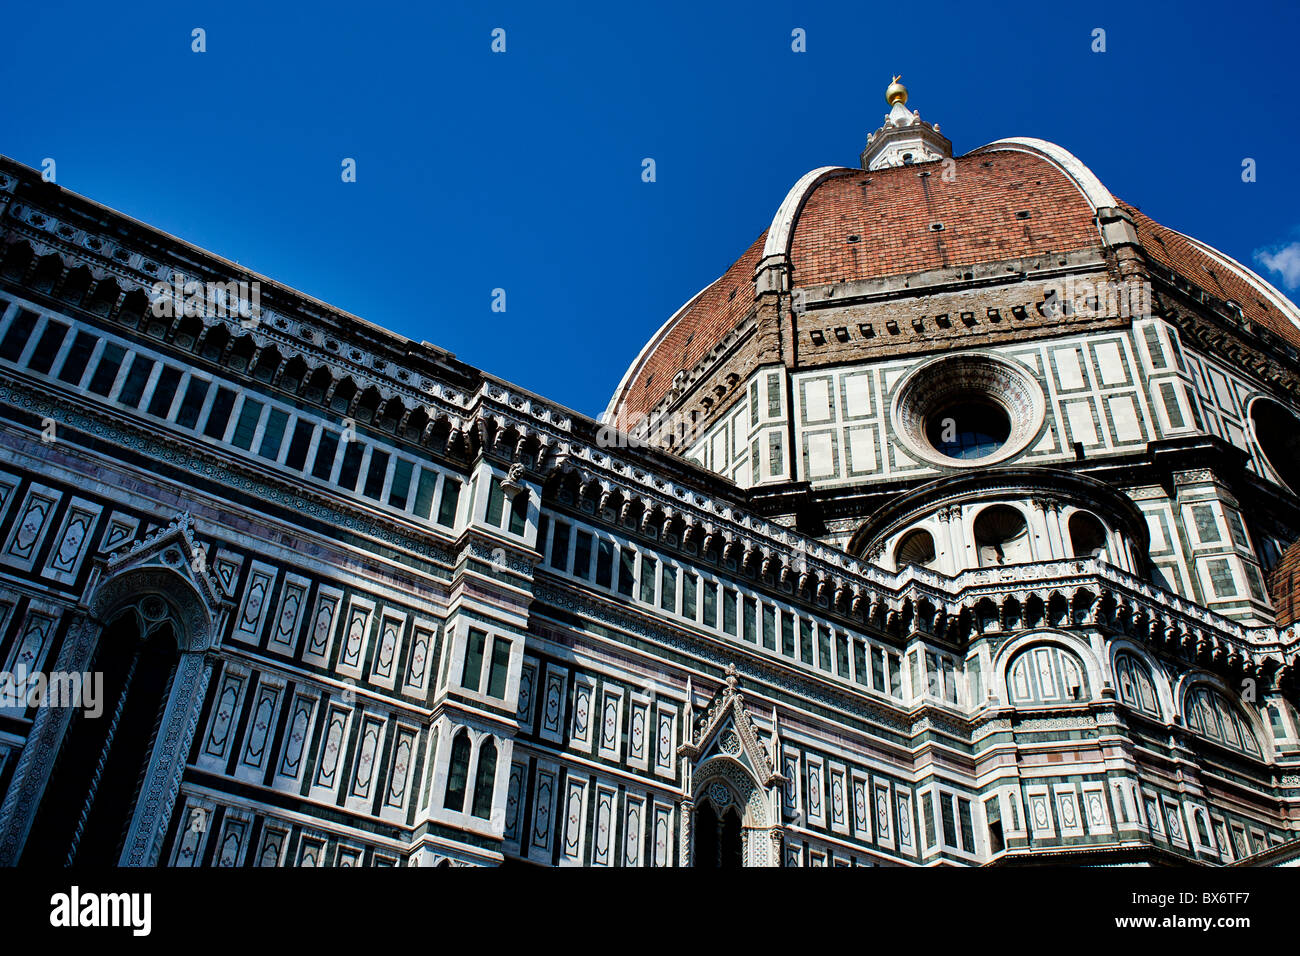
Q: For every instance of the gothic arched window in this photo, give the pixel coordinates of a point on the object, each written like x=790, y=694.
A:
x=485, y=778
x=718, y=842
x=1134, y=684
x=92, y=792
x=1046, y=674
x=1210, y=714
x=457, y=772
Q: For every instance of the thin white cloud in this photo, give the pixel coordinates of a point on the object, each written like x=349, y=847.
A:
x=1285, y=261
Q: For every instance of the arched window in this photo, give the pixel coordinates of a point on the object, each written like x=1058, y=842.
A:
x=91, y=795
x=1087, y=535
x=718, y=841
x=1001, y=536
x=457, y=772
x=1046, y=674
x=1210, y=714
x=915, y=547
x=1277, y=431
x=485, y=778
x=1135, y=686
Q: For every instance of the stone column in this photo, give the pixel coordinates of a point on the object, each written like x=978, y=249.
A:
x=162, y=781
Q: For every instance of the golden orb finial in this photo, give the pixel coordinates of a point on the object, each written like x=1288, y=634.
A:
x=896, y=92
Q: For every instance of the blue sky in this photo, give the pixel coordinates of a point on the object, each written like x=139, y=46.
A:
x=522, y=170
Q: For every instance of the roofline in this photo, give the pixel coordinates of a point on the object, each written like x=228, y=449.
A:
x=1084, y=179
x=607, y=417
x=1262, y=285
x=780, y=233
x=236, y=267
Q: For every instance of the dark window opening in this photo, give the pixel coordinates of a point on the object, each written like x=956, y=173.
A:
x=90, y=798
x=47, y=347
x=191, y=405
x=74, y=366
x=110, y=362
x=969, y=428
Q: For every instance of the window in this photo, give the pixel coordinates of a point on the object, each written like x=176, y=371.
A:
x=495, y=503
x=457, y=772
x=401, y=487
x=710, y=604
x=971, y=427
x=1210, y=714
x=47, y=347
x=927, y=820
x=136, y=379
x=326, y=449
x=967, y=829
x=219, y=416
x=690, y=587
x=376, y=474
x=1135, y=686
x=560, y=546
x=519, y=511
x=16, y=336
x=449, y=502
x=859, y=662
x=824, y=647
x=74, y=366
x=949, y=822
x=729, y=598
x=769, y=627
x=471, y=674
x=749, y=619
x=787, y=634
x=668, y=589
x=1046, y=674
x=1277, y=432
x=582, y=555
x=196, y=393
x=350, y=467
x=273, y=434
x=110, y=362
x=805, y=641
x=604, y=563
x=246, y=424
x=499, y=668
x=485, y=778
x=299, y=444
x=649, y=568
x=626, y=571
x=164, y=391
x=424, y=488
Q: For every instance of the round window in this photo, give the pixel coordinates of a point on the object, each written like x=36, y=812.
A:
x=1277, y=431
x=971, y=428
x=968, y=410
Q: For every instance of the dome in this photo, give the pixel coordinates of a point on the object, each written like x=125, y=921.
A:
x=915, y=218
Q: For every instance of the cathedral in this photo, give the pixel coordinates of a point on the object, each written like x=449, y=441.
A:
x=955, y=524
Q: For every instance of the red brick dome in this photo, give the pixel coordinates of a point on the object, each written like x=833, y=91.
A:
x=1014, y=199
